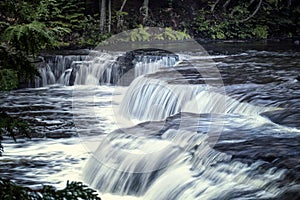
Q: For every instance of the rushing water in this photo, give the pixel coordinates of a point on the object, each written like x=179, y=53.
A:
x=169, y=134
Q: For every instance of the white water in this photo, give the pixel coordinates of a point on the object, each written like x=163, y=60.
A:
x=146, y=65
x=146, y=164
x=153, y=99
x=57, y=69
x=91, y=71
x=179, y=164
x=95, y=70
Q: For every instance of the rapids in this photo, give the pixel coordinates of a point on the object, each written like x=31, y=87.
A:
x=166, y=127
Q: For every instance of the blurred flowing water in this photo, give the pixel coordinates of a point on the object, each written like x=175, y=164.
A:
x=168, y=135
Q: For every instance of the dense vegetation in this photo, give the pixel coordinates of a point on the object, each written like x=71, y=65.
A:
x=72, y=191
x=52, y=23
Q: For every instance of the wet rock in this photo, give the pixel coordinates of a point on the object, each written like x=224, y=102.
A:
x=286, y=117
x=73, y=75
x=291, y=194
x=56, y=135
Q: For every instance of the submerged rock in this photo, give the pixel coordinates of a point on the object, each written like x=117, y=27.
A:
x=285, y=117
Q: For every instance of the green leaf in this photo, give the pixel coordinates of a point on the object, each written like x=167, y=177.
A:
x=8, y=79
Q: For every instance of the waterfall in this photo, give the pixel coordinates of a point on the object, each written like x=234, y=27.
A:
x=175, y=163
x=95, y=70
x=160, y=127
x=129, y=163
x=154, y=99
x=178, y=165
x=60, y=63
x=150, y=64
x=57, y=69
x=102, y=68
x=47, y=76
x=106, y=68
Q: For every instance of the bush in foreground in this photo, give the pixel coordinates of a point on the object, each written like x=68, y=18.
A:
x=73, y=191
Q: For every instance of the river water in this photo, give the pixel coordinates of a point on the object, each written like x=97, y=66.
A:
x=189, y=126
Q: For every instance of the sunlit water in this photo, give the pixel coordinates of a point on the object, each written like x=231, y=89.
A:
x=246, y=149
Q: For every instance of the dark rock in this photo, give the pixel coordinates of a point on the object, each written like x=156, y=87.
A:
x=56, y=135
x=286, y=117
x=73, y=75
x=293, y=193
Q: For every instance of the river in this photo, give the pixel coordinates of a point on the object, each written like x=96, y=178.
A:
x=187, y=125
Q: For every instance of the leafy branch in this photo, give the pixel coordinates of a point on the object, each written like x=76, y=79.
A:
x=72, y=191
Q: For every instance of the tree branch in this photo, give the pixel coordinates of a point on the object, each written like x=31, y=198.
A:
x=215, y=4
x=226, y=4
x=254, y=13
x=123, y=4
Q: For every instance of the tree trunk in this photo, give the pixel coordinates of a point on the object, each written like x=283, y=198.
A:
x=145, y=10
x=289, y=3
x=102, y=16
x=109, y=16
x=119, y=21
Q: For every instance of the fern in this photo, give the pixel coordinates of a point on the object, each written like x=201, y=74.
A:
x=30, y=37
x=159, y=37
x=169, y=34
x=144, y=35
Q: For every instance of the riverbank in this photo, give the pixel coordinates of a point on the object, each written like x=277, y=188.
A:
x=267, y=44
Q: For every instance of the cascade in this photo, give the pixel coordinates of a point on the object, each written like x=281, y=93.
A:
x=174, y=163
x=107, y=68
x=178, y=165
x=154, y=99
x=104, y=68
x=57, y=69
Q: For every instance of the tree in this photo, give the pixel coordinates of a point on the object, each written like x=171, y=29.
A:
x=120, y=15
x=109, y=16
x=145, y=10
x=102, y=5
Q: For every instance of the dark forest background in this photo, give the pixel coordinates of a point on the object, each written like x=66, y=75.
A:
x=86, y=23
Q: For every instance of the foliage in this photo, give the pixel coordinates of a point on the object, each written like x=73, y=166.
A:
x=91, y=32
x=171, y=34
x=8, y=79
x=140, y=34
x=15, y=66
x=121, y=13
x=145, y=34
x=239, y=20
x=261, y=31
x=72, y=191
x=12, y=126
x=30, y=38
x=67, y=14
